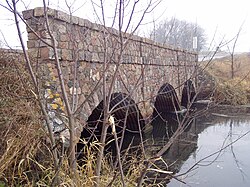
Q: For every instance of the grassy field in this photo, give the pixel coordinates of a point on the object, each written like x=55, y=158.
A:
x=234, y=91
x=221, y=68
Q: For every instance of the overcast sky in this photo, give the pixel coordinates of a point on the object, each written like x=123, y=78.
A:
x=220, y=17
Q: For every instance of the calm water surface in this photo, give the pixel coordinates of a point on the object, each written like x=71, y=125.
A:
x=228, y=168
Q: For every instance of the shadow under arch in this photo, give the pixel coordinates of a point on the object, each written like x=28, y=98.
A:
x=128, y=121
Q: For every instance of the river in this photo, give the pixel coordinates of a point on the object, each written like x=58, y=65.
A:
x=221, y=157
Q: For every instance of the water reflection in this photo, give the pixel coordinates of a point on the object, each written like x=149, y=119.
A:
x=164, y=127
x=228, y=167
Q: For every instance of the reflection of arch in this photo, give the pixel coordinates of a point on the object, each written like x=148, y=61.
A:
x=188, y=94
x=164, y=126
x=126, y=114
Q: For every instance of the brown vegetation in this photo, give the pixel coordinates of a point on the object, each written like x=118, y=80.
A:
x=20, y=126
x=221, y=68
x=234, y=91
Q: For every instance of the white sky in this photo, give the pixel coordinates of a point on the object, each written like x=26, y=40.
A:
x=221, y=16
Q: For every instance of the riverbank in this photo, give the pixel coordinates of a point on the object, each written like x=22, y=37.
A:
x=230, y=110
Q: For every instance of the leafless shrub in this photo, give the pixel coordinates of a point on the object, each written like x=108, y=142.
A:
x=22, y=141
x=232, y=92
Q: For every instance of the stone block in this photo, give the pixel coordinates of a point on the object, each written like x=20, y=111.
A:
x=74, y=20
x=39, y=11
x=77, y=91
x=48, y=53
x=81, y=55
x=101, y=57
x=81, y=22
x=44, y=52
x=63, y=16
x=95, y=57
x=96, y=26
x=33, y=53
x=51, y=12
x=136, y=38
x=97, y=49
x=27, y=14
x=44, y=43
x=87, y=56
x=32, y=44
x=112, y=30
x=44, y=34
x=80, y=45
x=64, y=37
x=87, y=23
x=41, y=27
x=90, y=48
x=63, y=45
x=32, y=24
x=60, y=27
x=72, y=45
x=67, y=54
x=32, y=36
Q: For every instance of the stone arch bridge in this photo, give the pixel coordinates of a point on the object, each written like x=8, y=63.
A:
x=88, y=50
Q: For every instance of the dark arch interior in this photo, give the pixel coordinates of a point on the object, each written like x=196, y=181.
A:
x=167, y=113
x=166, y=100
x=125, y=110
x=188, y=94
x=126, y=114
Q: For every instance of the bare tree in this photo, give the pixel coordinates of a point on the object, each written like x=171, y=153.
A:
x=232, y=51
x=179, y=34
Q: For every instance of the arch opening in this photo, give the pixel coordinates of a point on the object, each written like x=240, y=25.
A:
x=168, y=113
x=129, y=124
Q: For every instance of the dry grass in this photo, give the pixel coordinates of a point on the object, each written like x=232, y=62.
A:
x=221, y=68
x=109, y=175
x=22, y=138
x=232, y=91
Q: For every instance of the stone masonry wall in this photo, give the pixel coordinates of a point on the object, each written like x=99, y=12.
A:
x=84, y=47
